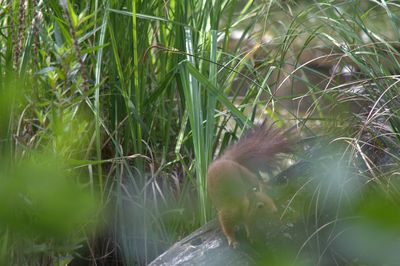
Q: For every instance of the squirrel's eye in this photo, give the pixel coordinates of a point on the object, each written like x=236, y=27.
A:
x=260, y=205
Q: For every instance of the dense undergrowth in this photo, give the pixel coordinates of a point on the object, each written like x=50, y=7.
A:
x=112, y=110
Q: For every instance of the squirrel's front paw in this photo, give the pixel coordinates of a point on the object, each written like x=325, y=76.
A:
x=233, y=244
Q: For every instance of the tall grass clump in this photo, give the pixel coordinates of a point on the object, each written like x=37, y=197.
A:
x=346, y=96
x=174, y=111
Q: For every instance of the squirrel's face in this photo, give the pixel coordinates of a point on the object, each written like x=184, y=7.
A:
x=262, y=204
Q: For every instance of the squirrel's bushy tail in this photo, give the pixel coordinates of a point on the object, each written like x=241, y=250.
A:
x=257, y=148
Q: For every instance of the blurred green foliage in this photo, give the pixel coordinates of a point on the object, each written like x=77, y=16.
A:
x=42, y=201
x=47, y=207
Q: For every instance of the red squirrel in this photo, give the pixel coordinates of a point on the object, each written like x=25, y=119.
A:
x=233, y=181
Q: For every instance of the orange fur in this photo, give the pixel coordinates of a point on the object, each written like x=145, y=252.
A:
x=233, y=183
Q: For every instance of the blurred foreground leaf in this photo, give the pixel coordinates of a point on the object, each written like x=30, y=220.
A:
x=42, y=200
